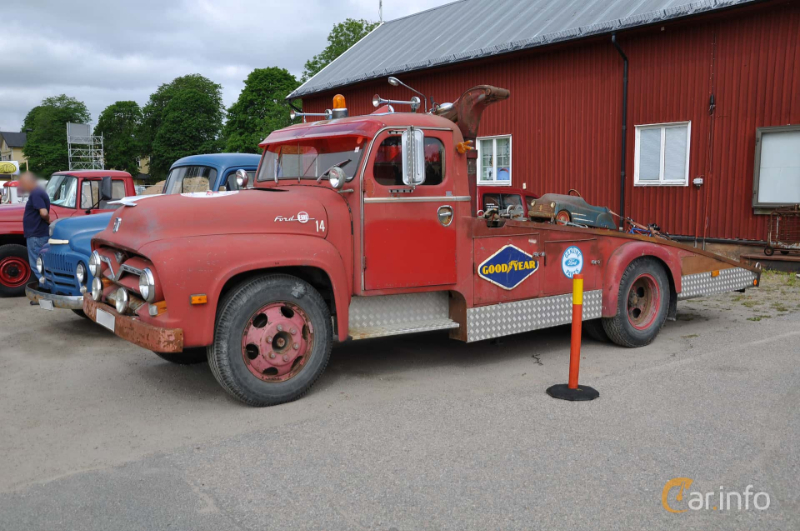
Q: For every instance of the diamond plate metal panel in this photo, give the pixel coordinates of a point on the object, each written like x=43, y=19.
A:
x=704, y=284
x=498, y=320
x=391, y=311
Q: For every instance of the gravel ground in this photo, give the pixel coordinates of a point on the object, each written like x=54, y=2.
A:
x=415, y=432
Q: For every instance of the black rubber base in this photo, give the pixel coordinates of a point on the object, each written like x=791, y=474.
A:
x=581, y=394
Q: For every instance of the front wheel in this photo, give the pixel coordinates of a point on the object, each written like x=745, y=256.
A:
x=642, y=305
x=272, y=340
x=14, y=270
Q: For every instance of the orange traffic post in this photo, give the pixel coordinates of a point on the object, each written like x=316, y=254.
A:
x=572, y=391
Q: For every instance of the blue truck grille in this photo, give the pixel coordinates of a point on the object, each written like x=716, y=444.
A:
x=59, y=271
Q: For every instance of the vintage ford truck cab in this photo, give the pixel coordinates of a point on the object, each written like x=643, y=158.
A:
x=72, y=194
x=65, y=277
x=367, y=226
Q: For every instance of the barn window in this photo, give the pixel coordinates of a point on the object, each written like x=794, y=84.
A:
x=776, y=180
x=494, y=160
x=662, y=154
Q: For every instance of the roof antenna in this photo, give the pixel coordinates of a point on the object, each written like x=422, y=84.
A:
x=380, y=10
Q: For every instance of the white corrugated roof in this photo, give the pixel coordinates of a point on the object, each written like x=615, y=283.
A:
x=470, y=29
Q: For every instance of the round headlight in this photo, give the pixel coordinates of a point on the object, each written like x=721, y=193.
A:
x=147, y=285
x=39, y=265
x=80, y=272
x=121, y=300
x=337, y=177
x=97, y=289
x=94, y=264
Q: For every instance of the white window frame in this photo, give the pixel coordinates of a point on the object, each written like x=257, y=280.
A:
x=495, y=182
x=661, y=181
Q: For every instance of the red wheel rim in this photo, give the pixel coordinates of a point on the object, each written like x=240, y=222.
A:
x=14, y=272
x=562, y=217
x=644, y=301
x=277, y=342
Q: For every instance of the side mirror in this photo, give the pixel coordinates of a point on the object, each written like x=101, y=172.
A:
x=242, y=178
x=105, y=189
x=413, y=146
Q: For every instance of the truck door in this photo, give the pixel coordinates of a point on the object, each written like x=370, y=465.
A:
x=409, y=241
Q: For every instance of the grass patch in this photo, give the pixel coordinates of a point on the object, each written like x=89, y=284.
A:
x=759, y=317
x=690, y=336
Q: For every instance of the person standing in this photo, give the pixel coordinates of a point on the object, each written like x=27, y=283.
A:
x=36, y=220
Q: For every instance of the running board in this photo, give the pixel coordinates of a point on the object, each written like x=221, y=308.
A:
x=392, y=315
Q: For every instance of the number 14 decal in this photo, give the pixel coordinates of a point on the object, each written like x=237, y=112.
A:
x=320, y=225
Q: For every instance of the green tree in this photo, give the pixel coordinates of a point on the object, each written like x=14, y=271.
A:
x=342, y=36
x=46, y=125
x=155, y=113
x=260, y=109
x=119, y=124
x=189, y=127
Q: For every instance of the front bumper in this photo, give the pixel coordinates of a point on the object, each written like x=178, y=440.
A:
x=68, y=302
x=165, y=340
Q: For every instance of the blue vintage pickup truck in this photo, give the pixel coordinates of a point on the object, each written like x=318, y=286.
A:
x=62, y=266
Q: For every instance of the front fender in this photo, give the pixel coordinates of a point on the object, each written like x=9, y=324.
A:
x=623, y=256
x=196, y=265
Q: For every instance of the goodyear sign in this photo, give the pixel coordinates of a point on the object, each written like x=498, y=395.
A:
x=9, y=167
x=508, y=267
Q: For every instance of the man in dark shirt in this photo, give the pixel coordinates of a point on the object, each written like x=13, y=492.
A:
x=36, y=220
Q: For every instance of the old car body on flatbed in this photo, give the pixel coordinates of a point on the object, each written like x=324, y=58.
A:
x=382, y=256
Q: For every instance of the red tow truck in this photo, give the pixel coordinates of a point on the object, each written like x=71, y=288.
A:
x=367, y=226
x=72, y=193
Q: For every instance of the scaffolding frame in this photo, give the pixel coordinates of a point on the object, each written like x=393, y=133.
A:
x=85, y=150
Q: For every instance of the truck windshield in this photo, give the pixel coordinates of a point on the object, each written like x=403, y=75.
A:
x=311, y=158
x=62, y=190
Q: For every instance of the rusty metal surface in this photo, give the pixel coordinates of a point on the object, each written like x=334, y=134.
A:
x=167, y=340
x=34, y=293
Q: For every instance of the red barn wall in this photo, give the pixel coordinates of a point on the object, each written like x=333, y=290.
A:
x=565, y=111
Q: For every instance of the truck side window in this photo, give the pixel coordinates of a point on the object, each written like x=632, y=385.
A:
x=388, y=167
x=90, y=192
x=434, y=161
x=491, y=201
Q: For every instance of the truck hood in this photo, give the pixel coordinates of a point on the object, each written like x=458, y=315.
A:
x=285, y=210
x=79, y=231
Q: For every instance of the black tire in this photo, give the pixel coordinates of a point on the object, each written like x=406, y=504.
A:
x=629, y=329
x=769, y=251
x=8, y=253
x=189, y=356
x=236, y=311
x=79, y=313
x=594, y=329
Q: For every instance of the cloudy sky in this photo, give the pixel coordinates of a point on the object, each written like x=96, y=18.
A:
x=102, y=51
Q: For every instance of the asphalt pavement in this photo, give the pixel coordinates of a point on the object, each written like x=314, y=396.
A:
x=408, y=433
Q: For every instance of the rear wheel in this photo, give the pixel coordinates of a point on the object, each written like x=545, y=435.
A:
x=769, y=251
x=14, y=270
x=642, y=305
x=189, y=356
x=594, y=329
x=272, y=340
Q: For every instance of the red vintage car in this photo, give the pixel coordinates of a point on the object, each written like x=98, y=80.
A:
x=342, y=238
x=72, y=193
